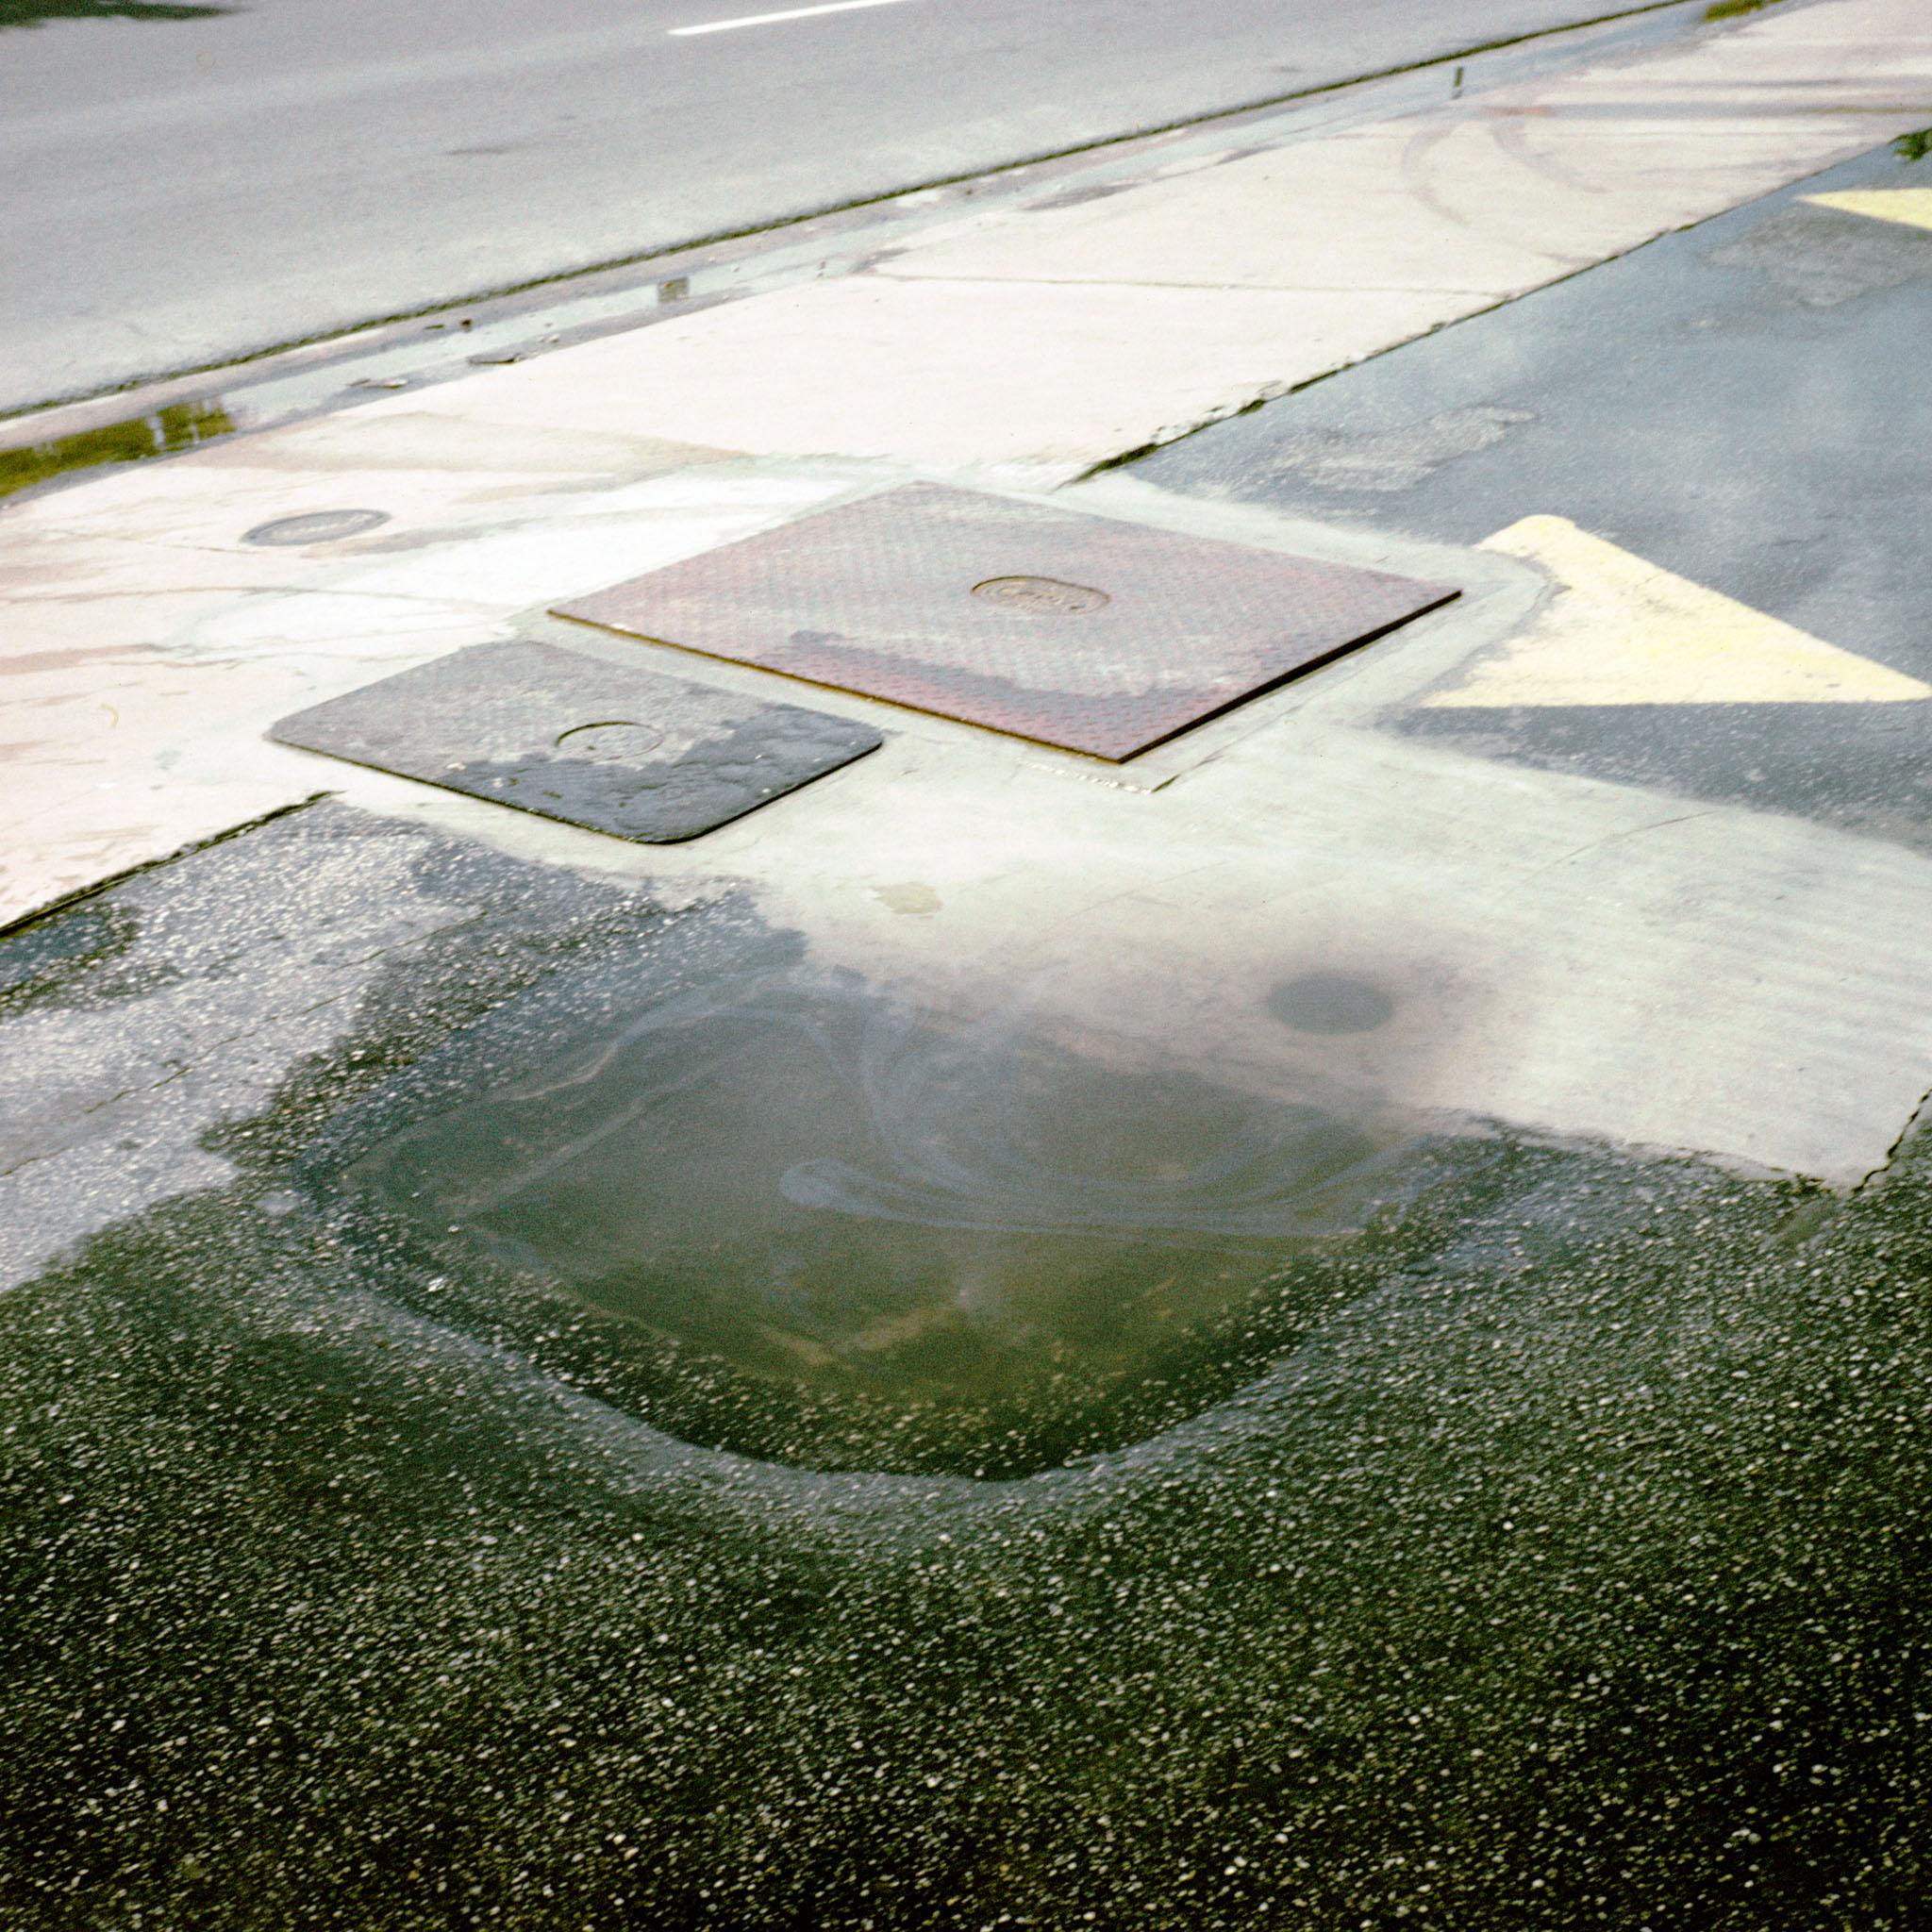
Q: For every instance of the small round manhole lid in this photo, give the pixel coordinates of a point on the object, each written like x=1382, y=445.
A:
x=613, y=741
x=317, y=526
x=1041, y=597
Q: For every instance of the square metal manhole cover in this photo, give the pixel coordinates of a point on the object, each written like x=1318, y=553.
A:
x=626, y=751
x=1083, y=632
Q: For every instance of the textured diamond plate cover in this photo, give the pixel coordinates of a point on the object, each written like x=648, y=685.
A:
x=622, y=751
x=1080, y=631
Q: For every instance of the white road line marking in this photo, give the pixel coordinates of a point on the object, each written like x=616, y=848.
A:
x=724, y=26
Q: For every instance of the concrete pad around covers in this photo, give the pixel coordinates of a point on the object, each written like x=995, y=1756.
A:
x=1578, y=959
x=1574, y=958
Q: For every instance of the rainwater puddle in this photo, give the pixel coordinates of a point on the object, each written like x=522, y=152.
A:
x=820, y=1227
x=179, y=426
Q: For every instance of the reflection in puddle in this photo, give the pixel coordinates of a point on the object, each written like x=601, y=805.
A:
x=850, y=1203
x=182, y=425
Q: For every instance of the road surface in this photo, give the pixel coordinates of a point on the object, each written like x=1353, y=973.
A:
x=189, y=184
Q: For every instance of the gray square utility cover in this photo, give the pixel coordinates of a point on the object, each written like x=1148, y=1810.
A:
x=1084, y=632
x=622, y=751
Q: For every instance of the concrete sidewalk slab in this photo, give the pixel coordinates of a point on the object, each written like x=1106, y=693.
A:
x=1480, y=205
x=1017, y=385
x=1042, y=345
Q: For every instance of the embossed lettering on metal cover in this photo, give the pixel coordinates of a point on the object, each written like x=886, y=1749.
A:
x=1084, y=632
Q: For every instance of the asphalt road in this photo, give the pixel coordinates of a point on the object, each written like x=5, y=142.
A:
x=1628, y=400
x=192, y=183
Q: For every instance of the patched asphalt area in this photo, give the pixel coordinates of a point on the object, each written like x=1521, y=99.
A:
x=1742, y=404
x=1552, y=1554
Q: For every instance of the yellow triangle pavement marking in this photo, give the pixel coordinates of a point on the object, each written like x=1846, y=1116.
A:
x=1621, y=631
x=1912, y=205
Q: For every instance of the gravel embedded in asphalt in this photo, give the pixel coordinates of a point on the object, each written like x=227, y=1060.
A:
x=1565, y=1567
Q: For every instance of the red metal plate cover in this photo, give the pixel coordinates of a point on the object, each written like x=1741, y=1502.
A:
x=1084, y=632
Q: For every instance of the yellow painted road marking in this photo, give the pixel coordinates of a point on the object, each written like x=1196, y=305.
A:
x=1912, y=205
x=1621, y=631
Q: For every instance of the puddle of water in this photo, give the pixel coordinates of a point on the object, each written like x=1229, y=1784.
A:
x=831, y=1212
x=182, y=425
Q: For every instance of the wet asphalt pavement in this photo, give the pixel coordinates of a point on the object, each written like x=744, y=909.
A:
x=1539, y=1542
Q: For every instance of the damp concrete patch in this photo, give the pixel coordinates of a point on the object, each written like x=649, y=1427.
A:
x=1086, y=633
x=616, y=750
